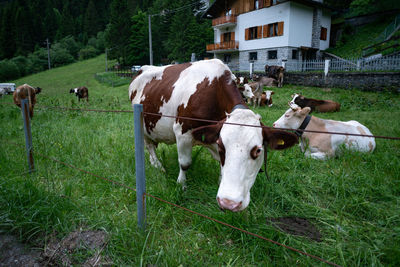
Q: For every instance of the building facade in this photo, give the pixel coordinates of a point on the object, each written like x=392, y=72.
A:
x=268, y=31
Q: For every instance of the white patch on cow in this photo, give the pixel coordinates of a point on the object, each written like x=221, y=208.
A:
x=241, y=80
x=240, y=170
x=268, y=95
x=75, y=90
x=248, y=93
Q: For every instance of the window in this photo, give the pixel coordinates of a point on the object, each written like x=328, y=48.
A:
x=228, y=12
x=227, y=37
x=253, y=33
x=227, y=58
x=273, y=29
x=252, y=56
x=294, y=54
x=324, y=33
x=273, y=54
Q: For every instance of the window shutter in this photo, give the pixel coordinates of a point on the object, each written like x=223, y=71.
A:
x=247, y=34
x=259, y=32
x=280, y=28
x=251, y=5
x=232, y=36
x=222, y=38
x=324, y=33
x=267, y=3
x=260, y=3
x=265, y=29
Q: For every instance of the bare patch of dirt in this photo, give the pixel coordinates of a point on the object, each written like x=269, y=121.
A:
x=83, y=248
x=296, y=226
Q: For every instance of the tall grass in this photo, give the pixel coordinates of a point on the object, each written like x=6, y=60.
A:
x=353, y=199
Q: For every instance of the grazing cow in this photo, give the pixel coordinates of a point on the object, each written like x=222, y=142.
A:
x=321, y=145
x=314, y=104
x=80, y=92
x=276, y=72
x=205, y=90
x=26, y=91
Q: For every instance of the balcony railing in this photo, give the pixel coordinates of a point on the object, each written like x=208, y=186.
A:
x=224, y=20
x=231, y=45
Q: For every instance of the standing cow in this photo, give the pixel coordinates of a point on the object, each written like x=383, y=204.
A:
x=26, y=91
x=80, y=92
x=205, y=90
x=276, y=72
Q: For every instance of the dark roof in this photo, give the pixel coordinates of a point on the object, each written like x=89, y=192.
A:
x=219, y=6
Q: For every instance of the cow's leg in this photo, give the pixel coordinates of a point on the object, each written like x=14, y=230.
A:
x=184, y=147
x=151, y=147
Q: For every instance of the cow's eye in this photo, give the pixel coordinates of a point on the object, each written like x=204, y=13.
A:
x=287, y=115
x=256, y=151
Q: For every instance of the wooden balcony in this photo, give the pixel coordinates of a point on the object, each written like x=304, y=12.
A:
x=223, y=46
x=225, y=21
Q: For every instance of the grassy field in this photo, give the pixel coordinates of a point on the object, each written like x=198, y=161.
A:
x=354, y=200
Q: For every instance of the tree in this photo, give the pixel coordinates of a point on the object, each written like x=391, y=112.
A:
x=139, y=45
x=92, y=22
x=7, y=34
x=118, y=30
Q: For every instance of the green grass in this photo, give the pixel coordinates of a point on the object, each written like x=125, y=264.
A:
x=353, y=199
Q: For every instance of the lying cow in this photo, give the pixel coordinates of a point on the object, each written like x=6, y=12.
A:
x=276, y=72
x=321, y=145
x=266, y=98
x=314, y=104
x=26, y=91
x=205, y=90
x=80, y=92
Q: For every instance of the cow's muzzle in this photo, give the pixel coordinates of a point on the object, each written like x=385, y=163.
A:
x=229, y=204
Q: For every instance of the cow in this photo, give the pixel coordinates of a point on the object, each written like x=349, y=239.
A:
x=26, y=91
x=205, y=90
x=80, y=92
x=276, y=72
x=240, y=81
x=320, y=145
x=266, y=98
x=265, y=81
x=315, y=104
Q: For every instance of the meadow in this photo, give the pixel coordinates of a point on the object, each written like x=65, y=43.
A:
x=354, y=199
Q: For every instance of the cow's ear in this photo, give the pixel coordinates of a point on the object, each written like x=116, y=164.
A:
x=207, y=134
x=305, y=111
x=279, y=139
x=272, y=92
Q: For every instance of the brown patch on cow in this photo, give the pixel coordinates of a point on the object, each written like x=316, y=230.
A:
x=157, y=92
x=320, y=141
x=361, y=130
x=211, y=101
x=25, y=92
x=133, y=95
x=296, y=226
x=255, y=152
x=221, y=151
x=371, y=146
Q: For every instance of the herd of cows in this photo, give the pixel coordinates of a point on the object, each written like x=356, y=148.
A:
x=208, y=91
x=203, y=91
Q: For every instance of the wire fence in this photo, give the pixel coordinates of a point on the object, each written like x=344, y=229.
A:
x=178, y=206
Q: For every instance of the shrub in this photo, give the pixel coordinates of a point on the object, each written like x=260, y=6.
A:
x=87, y=52
x=23, y=64
x=8, y=70
x=60, y=56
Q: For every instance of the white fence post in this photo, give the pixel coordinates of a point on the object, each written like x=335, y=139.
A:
x=251, y=69
x=326, y=69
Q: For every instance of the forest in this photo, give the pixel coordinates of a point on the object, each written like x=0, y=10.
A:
x=68, y=31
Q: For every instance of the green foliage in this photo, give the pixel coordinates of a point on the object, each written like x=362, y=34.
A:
x=87, y=52
x=23, y=64
x=71, y=45
x=8, y=70
x=139, y=45
x=363, y=7
x=60, y=56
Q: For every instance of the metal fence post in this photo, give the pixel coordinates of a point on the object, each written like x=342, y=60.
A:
x=140, y=171
x=28, y=134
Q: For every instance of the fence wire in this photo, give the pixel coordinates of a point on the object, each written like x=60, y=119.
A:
x=183, y=208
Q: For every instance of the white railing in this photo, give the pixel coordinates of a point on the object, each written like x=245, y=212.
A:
x=386, y=63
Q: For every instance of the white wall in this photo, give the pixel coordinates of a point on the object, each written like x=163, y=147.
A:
x=326, y=23
x=259, y=18
x=301, y=22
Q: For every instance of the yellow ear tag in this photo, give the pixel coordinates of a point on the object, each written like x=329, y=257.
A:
x=280, y=142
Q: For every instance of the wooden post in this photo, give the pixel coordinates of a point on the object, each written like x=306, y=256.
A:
x=140, y=170
x=28, y=135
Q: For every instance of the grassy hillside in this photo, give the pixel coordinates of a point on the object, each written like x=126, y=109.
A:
x=353, y=199
x=353, y=40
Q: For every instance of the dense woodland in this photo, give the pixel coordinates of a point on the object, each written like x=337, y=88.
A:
x=80, y=29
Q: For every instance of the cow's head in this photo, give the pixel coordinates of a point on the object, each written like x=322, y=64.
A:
x=295, y=102
x=268, y=97
x=247, y=92
x=38, y=90
x=292, y=118
x=71, y=91
x=241, y=151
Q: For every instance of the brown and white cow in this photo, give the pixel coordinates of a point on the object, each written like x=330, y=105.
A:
x=321, y=145
x=26, y=91
x=205, y=90
x=276, y=72
x=315, y=104
x=80, y=92
x=266, y=98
